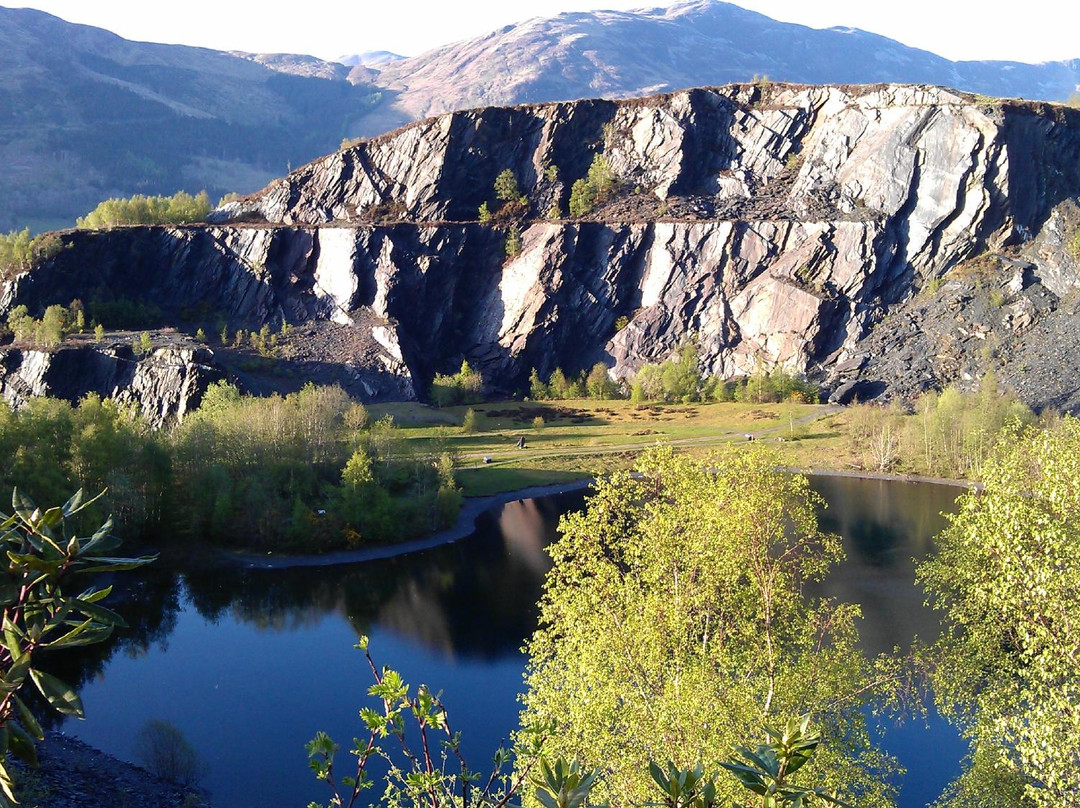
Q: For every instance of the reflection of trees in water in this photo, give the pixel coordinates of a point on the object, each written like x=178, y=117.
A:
x=473, y=598
x=149, y=602
x=885, y=526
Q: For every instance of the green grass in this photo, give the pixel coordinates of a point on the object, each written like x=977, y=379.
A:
x=584, y=438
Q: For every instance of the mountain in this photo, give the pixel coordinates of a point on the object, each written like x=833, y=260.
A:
x=882, y=239
x=371, y=58
x=85, y=115
x=693, y=43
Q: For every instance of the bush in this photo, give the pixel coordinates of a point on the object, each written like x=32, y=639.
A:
x=180, y=208
x=468, y=422
x=166, y=753
x=49, y=331
x=464, y=387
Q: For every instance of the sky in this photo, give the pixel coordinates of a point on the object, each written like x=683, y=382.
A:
x=1032, y=31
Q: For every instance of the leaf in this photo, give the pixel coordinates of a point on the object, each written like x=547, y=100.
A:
x=21, y=744
x=28, y=719
x=74, y=504
x=62, y=697
x=105, y=564
x=100, y=613
x=87, y=632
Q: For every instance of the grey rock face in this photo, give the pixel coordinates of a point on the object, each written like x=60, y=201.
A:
x=774, y=225
x=164, y=386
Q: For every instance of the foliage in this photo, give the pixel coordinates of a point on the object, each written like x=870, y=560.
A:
x=464, y=387
x=483, y=213
x=166, y=753
x=21, y=252
x=1007, y=573
x=180, y=208
x=512, y=246
x=44, y=555
x=594, y=189
x=600, y=385
x=305, y=471
x=950, y=434
x=767, y=770
x=1072, y=244
x=506, y=186
x=57, y=322
x=537, y=389
x=674, y=623
x=48, y=447
x=126, y=313
x=419, y=774
x=468, y=422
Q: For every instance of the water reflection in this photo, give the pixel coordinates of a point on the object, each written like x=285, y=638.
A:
x=250, y=663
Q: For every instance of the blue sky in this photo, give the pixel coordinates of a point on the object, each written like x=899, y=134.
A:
x=1034, y=31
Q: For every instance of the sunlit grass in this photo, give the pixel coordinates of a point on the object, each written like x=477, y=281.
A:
x=583, y=438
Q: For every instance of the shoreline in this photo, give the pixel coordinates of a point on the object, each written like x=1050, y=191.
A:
x=474, y=507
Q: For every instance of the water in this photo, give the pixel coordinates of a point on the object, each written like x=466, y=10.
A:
x=250, y=664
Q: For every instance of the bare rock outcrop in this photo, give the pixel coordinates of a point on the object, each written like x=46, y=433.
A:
x=163, y=386
x=774, y=225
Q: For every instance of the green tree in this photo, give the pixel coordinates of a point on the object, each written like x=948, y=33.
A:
x=46, y=559
x=506, y=186
x=537, y=389
x=21, y=252
x=1007, y=574
x=512, y=246
x=674, y=623
x=598, y=384
x=582, y=198
x=180, y=208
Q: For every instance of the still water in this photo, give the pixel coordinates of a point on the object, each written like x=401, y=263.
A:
x=250, y=664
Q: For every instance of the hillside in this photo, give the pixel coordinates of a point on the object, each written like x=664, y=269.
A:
x=883, y=240
x=692, y=43
x=85, y=115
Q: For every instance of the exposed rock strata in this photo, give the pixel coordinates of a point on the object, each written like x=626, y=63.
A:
x=163, y=386
x=775, y=225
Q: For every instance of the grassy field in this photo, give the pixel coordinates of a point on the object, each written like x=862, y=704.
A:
x=567, y=440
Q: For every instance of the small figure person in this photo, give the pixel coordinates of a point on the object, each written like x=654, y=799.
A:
x=521, y=442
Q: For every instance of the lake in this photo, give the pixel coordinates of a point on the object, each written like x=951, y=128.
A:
x=250, y=664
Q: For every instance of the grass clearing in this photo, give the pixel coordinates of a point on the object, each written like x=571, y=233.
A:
x=567, y=440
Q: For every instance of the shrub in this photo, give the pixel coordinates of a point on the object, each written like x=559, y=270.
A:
x=44, y=556
x=468, y=422
x=599, y=184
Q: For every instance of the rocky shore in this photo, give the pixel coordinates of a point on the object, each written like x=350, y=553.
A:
x=74, y=775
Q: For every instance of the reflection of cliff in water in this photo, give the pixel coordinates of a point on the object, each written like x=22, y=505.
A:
x=887, y=526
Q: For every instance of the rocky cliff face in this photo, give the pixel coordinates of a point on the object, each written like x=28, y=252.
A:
x=163, y=386
x=773, y=225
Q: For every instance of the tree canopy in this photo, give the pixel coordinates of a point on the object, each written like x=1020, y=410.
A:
x=180, y=208
x=1007, y=572
x=674, y=624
